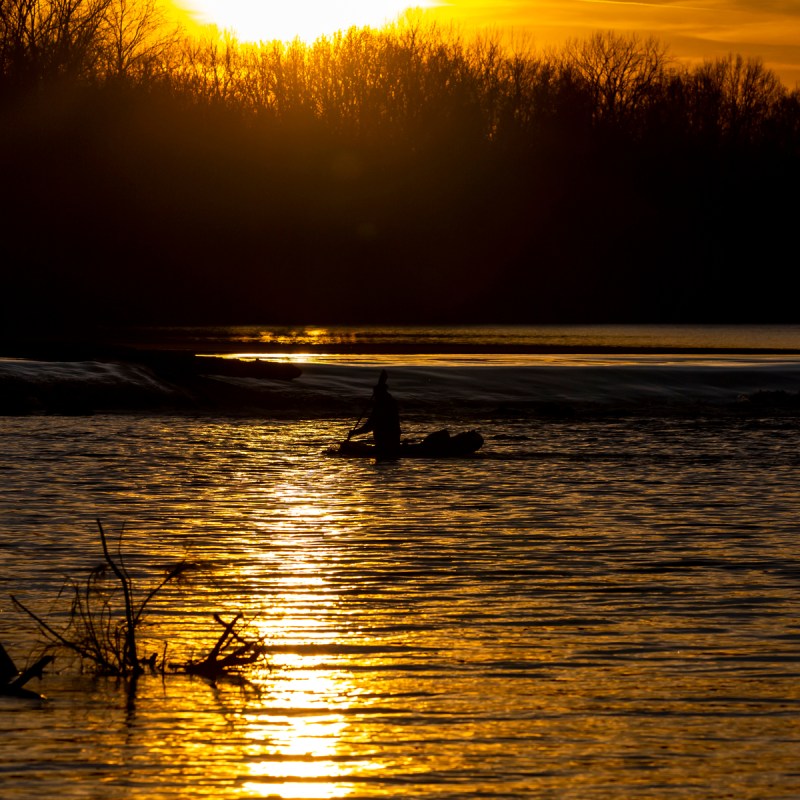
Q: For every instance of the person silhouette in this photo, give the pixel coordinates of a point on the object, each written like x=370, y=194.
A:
x=383, y=420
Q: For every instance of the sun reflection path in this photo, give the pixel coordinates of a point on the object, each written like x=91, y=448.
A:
x=295, y=733
x=296, y=740
x=296, y=743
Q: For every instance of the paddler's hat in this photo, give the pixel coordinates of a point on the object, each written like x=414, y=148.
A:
x=380, y=386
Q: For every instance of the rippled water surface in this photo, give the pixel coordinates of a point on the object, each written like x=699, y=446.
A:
x=596, y=607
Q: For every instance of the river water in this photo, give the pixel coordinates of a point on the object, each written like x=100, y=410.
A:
x=602, y=603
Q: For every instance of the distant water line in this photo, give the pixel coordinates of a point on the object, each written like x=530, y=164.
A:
x=473, y=338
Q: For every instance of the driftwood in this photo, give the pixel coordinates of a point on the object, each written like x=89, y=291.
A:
x=218, y=664
x=96, y=631
x=105, y=615
x=12, y=681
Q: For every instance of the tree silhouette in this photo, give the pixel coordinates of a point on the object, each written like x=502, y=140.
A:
x=137, y=42
x=44, y=40
x=406, y=173
x=622, y=73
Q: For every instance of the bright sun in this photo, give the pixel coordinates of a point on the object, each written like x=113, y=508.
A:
x=256, y=20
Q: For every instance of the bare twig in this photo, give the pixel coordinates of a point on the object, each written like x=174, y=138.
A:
x=97, y=634
x=125, y=583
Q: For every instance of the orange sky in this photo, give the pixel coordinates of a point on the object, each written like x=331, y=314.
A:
x=692, y=29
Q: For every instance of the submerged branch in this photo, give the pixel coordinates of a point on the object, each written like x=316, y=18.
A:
x=54, y=635
x=95, y=635
x=125, y=583
x=173, y=573
x=215, y=665
x=12, y=681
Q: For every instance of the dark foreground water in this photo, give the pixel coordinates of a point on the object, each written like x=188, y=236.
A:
x=604, y=603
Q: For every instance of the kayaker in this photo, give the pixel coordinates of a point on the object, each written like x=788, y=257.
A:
x=383, y=420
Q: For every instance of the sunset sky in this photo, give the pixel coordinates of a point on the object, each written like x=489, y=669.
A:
x=693, y=29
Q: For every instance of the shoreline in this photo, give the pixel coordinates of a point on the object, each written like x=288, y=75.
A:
x=177, y=356
x=585, y=386
x=322, y=372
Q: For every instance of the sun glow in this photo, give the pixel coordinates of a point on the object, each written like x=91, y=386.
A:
x=294, y=753
x=296, y=733
x=264, y=20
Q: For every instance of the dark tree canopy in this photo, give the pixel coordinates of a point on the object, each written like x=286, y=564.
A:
x=398, y=175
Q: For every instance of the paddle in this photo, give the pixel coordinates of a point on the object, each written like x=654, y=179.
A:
x=358, y=422
x=381, y=380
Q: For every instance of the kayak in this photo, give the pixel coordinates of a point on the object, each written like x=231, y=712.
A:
x=436, y=445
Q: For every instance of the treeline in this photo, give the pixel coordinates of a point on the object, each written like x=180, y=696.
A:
x=405, y=174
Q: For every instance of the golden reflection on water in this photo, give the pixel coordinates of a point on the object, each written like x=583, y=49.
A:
x=293, y=751
x=296, y=736
x=297, y=503
x=597, y=635
x=296, y=739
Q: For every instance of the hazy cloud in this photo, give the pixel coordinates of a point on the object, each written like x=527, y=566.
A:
x=694, y=30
